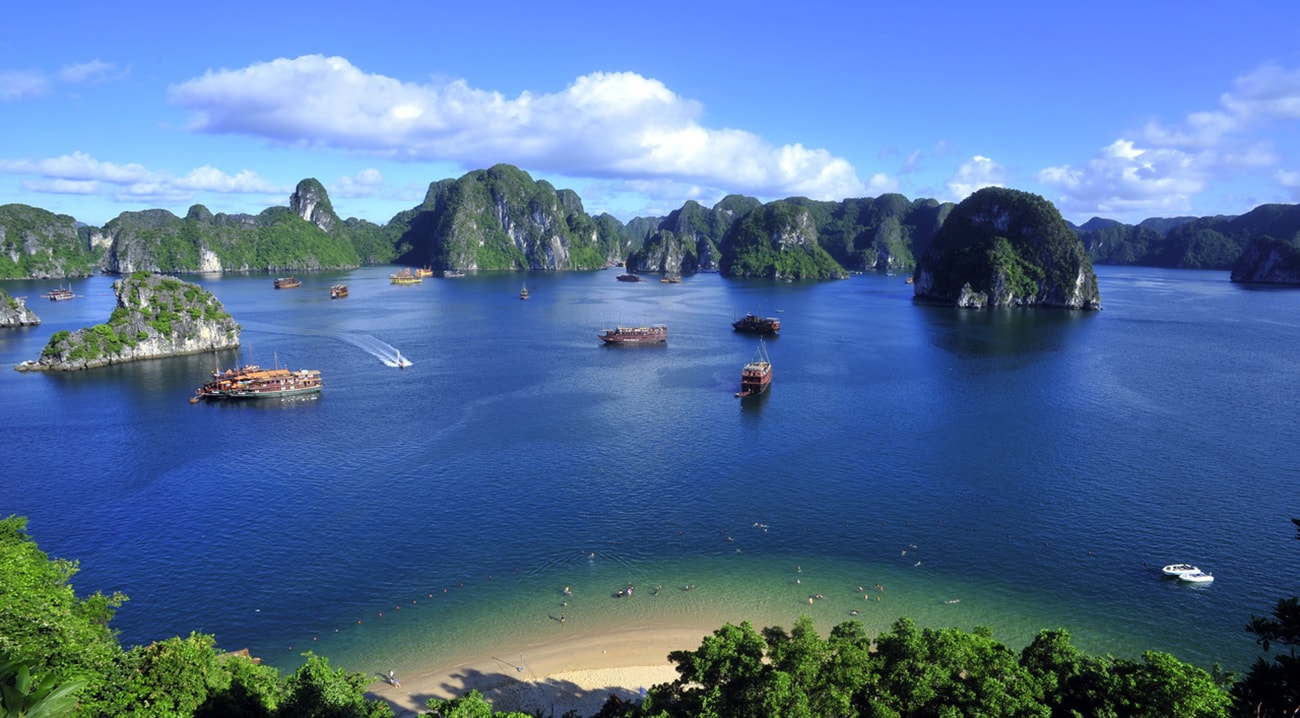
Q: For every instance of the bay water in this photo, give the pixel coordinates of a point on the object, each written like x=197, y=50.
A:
x=1019, y=469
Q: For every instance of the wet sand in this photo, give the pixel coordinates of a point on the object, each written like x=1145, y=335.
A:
x=572, y=673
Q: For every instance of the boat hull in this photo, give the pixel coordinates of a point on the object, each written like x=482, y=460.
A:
x=657, y=334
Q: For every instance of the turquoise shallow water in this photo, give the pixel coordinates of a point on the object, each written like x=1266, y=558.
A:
x=1038, y=466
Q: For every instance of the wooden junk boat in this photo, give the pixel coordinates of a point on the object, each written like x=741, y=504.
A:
x=756, y=376
x=287, y=283
x=523, y=293
x=757, y=325
x=338, y=291
x=62, y=294
x=425, y=272
x=253, y=382
x=405, y=276
x=654, y=334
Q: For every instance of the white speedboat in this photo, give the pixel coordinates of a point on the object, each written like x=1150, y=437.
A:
x=1178, y=569
x=1196, y=577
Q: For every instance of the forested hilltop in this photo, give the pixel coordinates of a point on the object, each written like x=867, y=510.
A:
x=502, y=219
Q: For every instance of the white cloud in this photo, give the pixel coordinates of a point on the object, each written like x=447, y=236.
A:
x=79, y=173
x=974, y=174
x=1164, y=170
x=211, y=179
x=366, y=183
x=93, y=71
x=1127, y=180
x=601, y=125
x=20, y=84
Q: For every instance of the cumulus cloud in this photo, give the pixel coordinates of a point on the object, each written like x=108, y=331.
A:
x=80, y=173
x=976, y=173
x=602, y=125
x=1163, y=170
x=366, y=183
x=21, y=84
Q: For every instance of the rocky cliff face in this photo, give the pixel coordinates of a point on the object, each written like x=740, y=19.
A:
x=689, y=239
x=1004, y=248
x=501, y=219
x=1268, y=261
x=15, y=313
x=37, y=244
x=310, y=201
x=777, y=240
x=156, y=316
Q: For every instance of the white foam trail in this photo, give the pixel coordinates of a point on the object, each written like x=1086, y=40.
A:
x=381, y=350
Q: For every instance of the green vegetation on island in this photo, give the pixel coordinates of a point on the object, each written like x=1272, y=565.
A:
x=156, y=316
x=500, y=218
x=35, y=243
x=777, y=240
x=1003, y=248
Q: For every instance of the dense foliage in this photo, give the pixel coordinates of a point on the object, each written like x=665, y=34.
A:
x=1189, y=242
x=1002, y=247
x=884, y=233
x=176, y=316
x=275, y=240
x=777, y=240
x=58, y=657
x=38, y=243
x=500, y=218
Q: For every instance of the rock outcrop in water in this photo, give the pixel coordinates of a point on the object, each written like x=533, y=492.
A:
x=15, y=313
x=1006, y=248
x=1268, y=260
x=156, y=316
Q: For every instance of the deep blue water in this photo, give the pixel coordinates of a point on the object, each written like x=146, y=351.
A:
x=1040, y=466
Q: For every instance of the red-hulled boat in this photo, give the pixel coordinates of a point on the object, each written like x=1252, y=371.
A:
x=756, y=376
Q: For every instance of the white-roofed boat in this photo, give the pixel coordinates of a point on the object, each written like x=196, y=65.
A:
x=1178, y=569
x=1196, y=577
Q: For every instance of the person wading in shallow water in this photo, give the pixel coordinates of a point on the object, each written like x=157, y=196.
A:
x=392, y=678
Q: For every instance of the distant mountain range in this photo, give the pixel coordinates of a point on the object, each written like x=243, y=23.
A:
x=502, y=219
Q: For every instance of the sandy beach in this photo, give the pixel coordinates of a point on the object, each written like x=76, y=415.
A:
x=577, y=672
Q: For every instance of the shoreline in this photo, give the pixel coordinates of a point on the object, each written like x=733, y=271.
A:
x=570, y=673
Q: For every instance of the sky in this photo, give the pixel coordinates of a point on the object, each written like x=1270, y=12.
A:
x=1122, y=110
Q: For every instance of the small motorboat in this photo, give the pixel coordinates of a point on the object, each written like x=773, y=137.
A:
x=1196, y=577
x=1178, y=569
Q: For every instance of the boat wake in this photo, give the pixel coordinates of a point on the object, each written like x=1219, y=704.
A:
x=381, y=350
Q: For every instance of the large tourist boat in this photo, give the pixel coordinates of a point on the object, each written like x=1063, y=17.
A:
x=253, y=382
x=654, y=334
x=287, y=283
x=523, y=293
x=757, y=325
x=628, y=278
x=338, y=291
x=405, y=276
x=756, y=376
x=425, y=272
x=62, y=294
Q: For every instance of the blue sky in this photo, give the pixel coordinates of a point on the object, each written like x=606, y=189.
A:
x=1122, y=110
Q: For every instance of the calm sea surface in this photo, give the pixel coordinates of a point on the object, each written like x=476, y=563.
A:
x=1036, y=467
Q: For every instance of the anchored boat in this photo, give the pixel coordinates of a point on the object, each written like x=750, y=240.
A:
x=654, y=334
x=756, y=375
x=757, y=325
